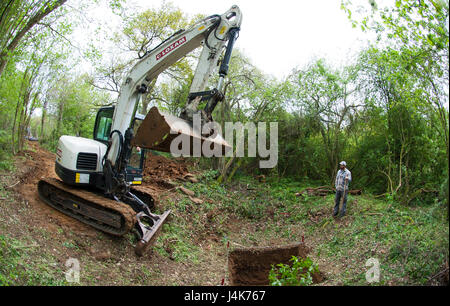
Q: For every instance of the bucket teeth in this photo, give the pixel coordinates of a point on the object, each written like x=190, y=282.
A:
x=159, y=129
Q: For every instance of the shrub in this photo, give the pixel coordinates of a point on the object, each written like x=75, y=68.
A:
x=299, y=274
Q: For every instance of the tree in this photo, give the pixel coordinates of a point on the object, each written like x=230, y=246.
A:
x=72, y=108
x=249, y=97
x=418, y=36
x=17, y=18
x=395, y=97
x=325, y=96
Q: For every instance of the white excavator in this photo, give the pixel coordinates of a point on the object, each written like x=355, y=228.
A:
x=99, y=178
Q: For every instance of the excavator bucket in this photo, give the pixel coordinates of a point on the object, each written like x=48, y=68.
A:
x=159, y=130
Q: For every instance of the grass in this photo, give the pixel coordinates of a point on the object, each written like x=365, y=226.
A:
x=410, y=242
x=16, y=269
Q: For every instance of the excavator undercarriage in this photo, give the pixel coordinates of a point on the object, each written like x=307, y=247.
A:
x=111, y=216
x=104, y=214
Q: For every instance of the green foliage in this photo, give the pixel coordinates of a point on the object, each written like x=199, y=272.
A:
x=147, y=28
x=411, y=242
x=19, y=19
x=299, y=274
x=252, y=209
x=5, y=156
x=320, y=98
x=8, y=262
x=406, y=95
x=71, y=110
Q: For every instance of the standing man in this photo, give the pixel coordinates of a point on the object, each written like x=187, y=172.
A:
x=343, y=178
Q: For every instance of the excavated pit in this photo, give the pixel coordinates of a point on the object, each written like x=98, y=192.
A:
x=251, y=266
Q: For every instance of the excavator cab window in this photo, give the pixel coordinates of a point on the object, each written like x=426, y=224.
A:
x=137, y=153
x=103, y=123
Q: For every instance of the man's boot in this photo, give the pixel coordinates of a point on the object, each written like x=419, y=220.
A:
x=335, y=211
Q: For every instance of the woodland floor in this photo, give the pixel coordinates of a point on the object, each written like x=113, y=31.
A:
x=36, y=241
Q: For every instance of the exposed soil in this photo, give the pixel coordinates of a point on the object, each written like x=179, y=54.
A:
x=56, y=237
x=39, y=163
x=161, y=172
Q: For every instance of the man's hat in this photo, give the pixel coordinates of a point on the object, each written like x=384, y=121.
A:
x=343, y=163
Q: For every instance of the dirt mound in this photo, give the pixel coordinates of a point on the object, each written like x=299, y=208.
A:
x=162, y=171
x=36, y=164
x=251, y=266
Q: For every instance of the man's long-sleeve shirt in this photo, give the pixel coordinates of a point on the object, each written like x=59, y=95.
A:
x=341, y=175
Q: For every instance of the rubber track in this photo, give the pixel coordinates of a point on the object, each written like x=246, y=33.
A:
x=124, y=210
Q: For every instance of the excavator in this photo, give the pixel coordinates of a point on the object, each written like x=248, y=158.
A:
x=99, y=179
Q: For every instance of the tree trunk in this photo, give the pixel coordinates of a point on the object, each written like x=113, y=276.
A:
x=60, y=118
x=18, y=106
x=44, y=113
x=22, y=121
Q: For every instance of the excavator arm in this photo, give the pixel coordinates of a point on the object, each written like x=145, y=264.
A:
x=158, y=129
x=212, y=33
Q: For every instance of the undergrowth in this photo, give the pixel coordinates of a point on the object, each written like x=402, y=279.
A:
x=16, y=270
x=299, y=274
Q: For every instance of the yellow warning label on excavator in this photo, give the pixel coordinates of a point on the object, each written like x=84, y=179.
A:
x=201, y=28
x=222, y=30
x=82, y=178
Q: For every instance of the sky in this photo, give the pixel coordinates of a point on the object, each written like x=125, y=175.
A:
x=280, y=35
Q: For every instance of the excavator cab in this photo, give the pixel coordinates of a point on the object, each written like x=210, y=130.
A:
x=103, y=122
x=102, y=130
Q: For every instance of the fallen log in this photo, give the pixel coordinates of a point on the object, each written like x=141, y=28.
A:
x=196, y=200
x=316, y=191
x=187, y=191
x=323, y=191
x=191, y=178
x=355, y=192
